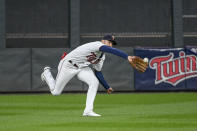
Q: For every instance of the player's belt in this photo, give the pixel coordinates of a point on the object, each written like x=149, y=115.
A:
x=73, y=64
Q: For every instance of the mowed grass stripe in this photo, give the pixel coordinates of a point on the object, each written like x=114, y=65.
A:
x=138, y=112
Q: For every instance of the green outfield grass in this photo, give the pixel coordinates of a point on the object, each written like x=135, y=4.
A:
x=120, y=112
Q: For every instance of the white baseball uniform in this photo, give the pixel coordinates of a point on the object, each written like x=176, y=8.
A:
x=77, y=63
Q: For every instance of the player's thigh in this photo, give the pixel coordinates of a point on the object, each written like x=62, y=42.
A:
x=87, y=75
x=65, y=74
x=60, y=64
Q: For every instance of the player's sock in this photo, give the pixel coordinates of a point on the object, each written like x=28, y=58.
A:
x=49, y=79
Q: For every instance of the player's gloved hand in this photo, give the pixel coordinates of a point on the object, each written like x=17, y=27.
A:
x=110, y=90
x=138, y=63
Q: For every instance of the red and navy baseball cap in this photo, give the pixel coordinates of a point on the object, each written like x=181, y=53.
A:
x=110, y=38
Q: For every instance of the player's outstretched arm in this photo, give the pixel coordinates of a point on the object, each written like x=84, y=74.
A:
x=114, y=51
x=136, y=62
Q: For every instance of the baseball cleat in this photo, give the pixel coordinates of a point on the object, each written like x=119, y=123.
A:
x=47, y=68
x=42, y=75
x=91, y=114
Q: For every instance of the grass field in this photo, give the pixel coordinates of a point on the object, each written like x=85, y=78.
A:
x=120, y=112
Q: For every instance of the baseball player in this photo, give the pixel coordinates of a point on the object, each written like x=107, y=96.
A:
x=77, y=63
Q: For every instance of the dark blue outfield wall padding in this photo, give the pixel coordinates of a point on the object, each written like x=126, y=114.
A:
x=169, y=69
x=191, y=80
x=15, y=70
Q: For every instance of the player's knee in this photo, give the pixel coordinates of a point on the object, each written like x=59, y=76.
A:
x=94, y=83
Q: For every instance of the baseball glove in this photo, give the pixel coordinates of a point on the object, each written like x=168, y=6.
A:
x=139, y=64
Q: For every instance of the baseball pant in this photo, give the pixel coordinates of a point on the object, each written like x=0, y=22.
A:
x=66, y=71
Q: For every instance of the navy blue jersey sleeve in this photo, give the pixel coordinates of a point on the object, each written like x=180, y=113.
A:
x=101, y=79
x=114, y=51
